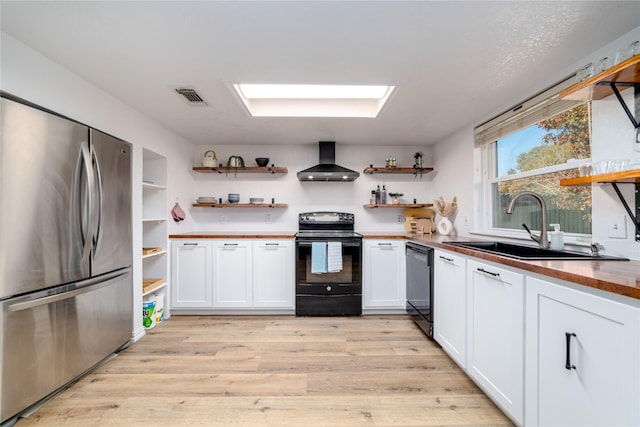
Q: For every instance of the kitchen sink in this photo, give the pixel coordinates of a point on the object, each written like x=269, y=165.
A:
x=529, y=252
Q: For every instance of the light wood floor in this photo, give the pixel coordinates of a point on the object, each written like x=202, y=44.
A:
x=275, y=371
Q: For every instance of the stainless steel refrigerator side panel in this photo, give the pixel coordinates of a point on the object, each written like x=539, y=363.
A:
x=40, y=232
x=111, y=239
x=50, y=338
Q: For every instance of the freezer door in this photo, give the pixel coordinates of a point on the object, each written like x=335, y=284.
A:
x=51, y=337
x=111, y=240
x=43, y=206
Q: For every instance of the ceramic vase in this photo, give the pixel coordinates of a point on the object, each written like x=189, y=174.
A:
x=445, y=226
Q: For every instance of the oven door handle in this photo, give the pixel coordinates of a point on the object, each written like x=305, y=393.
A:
x=306, y=243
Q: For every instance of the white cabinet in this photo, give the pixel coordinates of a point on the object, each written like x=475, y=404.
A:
x=495, y=334
x=217, y=275
x=589, y=377
x=191, y=263
x=273, y=273
x=232, y=273
x=384, y=269
x=450, y=305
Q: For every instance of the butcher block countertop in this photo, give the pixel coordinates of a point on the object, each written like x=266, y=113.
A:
x=618, y=277
x=235, y=235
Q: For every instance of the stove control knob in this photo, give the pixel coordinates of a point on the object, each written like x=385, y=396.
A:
x=328, y=288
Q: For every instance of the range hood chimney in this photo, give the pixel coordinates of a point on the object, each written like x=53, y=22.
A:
x=327, y=170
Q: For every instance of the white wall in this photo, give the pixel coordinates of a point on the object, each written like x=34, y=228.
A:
x=612, y=138
x=31, y=76
x=306, y=196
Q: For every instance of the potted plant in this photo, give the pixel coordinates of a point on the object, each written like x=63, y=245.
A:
x=418, y=163
x=396, y=197
x=235, y=162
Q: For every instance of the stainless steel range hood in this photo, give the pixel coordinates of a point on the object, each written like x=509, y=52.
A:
x=327, y=170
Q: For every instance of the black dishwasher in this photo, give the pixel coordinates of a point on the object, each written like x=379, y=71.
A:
x=420, y=286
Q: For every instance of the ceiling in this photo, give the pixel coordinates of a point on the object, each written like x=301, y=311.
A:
x=454, y=63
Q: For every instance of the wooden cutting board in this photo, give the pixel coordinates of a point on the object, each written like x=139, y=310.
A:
x=423, y=217
x=151, y=283
x=148, y=251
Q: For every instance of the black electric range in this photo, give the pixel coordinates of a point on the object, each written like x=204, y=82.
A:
x=328, y=265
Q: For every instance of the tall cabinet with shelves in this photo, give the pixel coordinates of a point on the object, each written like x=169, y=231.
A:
x=154, y=230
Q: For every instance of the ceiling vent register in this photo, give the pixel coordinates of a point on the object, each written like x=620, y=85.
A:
x=191, y=96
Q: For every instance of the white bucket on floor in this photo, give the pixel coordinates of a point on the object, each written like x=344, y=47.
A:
x=158, y=314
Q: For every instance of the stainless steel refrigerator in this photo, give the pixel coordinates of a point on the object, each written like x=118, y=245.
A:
x=65, y=251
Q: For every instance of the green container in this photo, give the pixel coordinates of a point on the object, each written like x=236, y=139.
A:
x=148, y=318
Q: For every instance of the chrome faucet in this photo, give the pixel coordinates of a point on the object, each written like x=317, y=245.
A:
x=542, y=240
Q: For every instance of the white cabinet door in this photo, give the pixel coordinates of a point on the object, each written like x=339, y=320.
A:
x=590, y=378
x=273, y=273
x=384, y=282
x=232, y=272
x=450, y=305
x=496, y=334
x=191, y=274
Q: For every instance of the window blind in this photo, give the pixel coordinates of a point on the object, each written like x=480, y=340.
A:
x=540, y=107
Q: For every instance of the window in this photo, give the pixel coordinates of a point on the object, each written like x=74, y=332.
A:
x=531, y=148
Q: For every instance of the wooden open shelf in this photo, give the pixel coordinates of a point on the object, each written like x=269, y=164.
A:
x=625, y=72
x=411, y=170
x=399, y=205
x=240, y=205
x=630, y=176
x=248, y=169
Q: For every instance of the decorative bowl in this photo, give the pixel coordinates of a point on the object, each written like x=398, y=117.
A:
x=256, y=200
x=262, y=161
x=234, y=197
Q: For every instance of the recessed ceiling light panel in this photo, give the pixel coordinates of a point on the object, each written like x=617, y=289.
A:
x=281, y=100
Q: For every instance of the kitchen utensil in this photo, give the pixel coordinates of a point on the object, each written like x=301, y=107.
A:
x=262, y=161
x=203, y=199
x=209, y=159
x=177, y=213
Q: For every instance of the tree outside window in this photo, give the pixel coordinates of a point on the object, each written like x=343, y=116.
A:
x=536, y=159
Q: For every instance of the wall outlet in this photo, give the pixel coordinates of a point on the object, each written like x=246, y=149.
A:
x=223, y=219
x=617, y=227
x=400, y=219
x=267, y=219
x=466, y=222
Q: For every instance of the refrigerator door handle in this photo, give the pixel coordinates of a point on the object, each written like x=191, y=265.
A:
x=88, y=170
x=97, y=235
x=85, y=286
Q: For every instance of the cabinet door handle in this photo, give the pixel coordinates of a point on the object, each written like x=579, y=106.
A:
x=189, y=244
x=446, y=259
x=231, y=244
x=568, y=364
x=272, y=244
x=482, y=270
x=384, y=244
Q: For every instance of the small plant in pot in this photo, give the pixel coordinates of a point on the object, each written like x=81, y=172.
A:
x=396, y=197
x=235, y=162
x=418, y=164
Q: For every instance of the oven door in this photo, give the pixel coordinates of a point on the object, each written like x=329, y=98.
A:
x=329, y=294
x=350, y=275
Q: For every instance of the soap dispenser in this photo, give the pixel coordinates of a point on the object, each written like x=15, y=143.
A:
x=557, y=238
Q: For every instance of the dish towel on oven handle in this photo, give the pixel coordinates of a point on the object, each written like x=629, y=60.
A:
x=334, y=257
x=318, y=257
